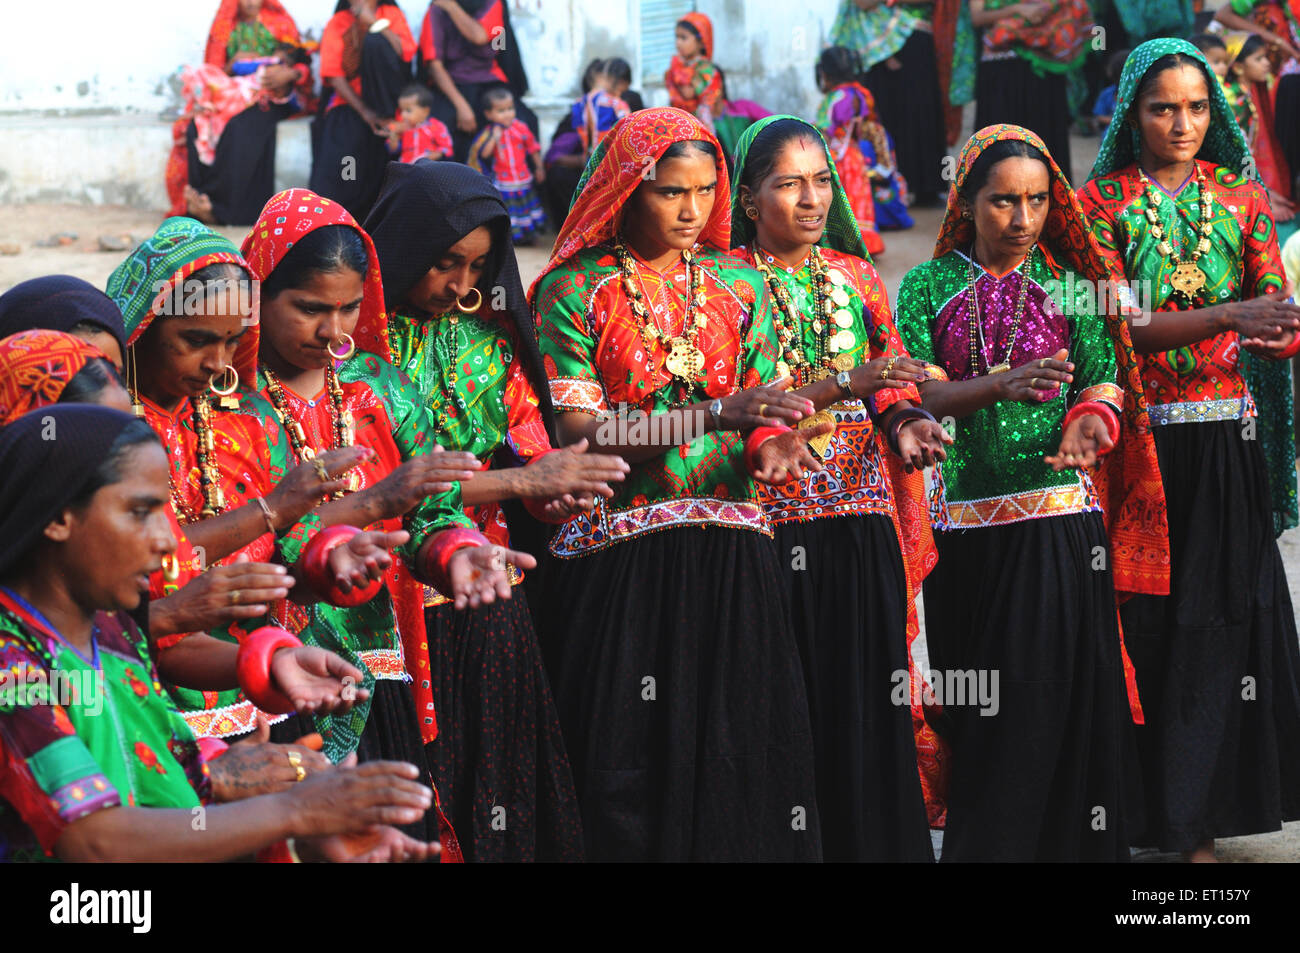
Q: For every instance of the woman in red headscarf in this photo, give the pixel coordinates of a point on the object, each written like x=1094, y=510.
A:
x=222, y=166
x=670, y=651
x=325, y=377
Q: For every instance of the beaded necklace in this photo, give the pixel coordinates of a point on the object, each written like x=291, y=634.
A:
x=446, y=352
x=340, y=419
x=1187, y=278
x=976, y=329
x=685, y=360
x=830, y=300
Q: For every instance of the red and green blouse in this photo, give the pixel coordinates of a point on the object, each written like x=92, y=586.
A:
x=1202, y=381
x=598, y=364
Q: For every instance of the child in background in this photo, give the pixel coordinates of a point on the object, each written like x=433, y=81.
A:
x=1104, y=109
x=1214, y=50
x=845, y=117
x=1248, y=88
x=594, y=115
x=693, y=82
x=416, y=134
x=503, y=151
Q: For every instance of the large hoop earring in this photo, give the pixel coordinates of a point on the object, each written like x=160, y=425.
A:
x=478, y=302
x=352, y=348
x=752, y=213
x=229, y=372
x=171, y=567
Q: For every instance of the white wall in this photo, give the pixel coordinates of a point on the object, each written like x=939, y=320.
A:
x=85, y=119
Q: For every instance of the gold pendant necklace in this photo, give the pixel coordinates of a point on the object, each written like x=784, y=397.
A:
x=1187, y=277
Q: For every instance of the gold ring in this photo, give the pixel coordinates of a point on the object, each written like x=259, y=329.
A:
x=761, y=410
x=889, y=366
x=320, y=470
x=234, y=597
x=1042, y=363
x=295, y=759
x=1033, y=384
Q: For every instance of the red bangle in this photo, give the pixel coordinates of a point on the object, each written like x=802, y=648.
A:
x=210, y=749
x=316, y=572
x=1104, y=411
x=253, y=666
x=756, y=439
x=442, y=548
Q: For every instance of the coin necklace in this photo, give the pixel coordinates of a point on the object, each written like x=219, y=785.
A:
x=685, y=360
x=830, y=307
x=1188, y=278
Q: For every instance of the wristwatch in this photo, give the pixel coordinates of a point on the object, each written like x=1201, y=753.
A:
x=843, y=379
x=715, y=411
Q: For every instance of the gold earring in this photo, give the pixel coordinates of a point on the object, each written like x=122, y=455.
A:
x=478, y=302
x=752, y=213
x=227, y=401
x=352, y=348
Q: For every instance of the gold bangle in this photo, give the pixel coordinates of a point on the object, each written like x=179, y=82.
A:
x=268, y=514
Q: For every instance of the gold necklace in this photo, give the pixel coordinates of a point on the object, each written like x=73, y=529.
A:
x=340, y=420
x=830, y=301
x=685, y=360
x=1188, y=278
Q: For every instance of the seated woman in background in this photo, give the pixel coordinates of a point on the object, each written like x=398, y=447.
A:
x=84, y=526
x=225, y=177
x=365, y=63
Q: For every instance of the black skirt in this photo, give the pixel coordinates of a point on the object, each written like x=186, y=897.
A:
x=849, y=605
x=682, y=699
x=1010, y=91
x=349, y=160
x=392, y=733
x=499, y=759
x=911, y=107
x=1286, y=119
x=1024, y=645
x=241, y=177
x=1217, y=660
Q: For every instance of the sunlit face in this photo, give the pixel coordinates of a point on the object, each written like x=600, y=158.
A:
x=794, y=199
x=1254, y=68
x=249, y=9
x=1217, y=57
x=412, y=113
x=501, y=111
x=300, y=325
x=454, y=274
x=688, y=44
x=112, y=544
x=1173, y=115
x=670, y=209
x=1011, y=208
x=105, y=342
x=178, y=356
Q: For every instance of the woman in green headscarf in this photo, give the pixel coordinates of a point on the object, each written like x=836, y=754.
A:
x=853, y=539
x=1176, y=209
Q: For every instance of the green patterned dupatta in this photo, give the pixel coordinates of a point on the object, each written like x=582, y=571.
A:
x=842, y=232
x=1225, y=145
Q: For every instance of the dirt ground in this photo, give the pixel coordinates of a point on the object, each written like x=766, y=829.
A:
x=28, y=224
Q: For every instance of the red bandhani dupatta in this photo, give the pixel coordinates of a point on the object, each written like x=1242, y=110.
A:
x=293, y=214
x=286, y=218
x=1128, y=478
x=944, y=26
x=273, y=16
x=618, y=167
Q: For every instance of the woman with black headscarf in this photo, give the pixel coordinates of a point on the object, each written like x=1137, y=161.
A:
x=458, y=326
x=65, y=303
x=83, y=524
